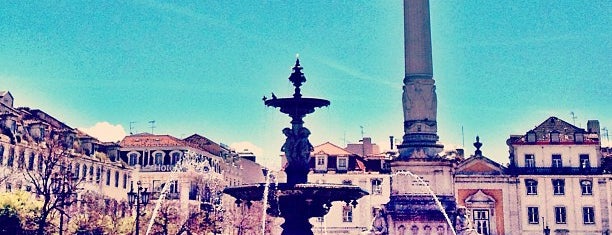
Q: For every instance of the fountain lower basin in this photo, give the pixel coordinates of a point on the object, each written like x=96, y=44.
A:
x=297, y=203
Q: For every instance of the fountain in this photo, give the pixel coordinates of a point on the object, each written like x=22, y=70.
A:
x=296, y=200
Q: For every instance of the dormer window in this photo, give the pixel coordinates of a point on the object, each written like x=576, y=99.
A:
x=554, y=137
x=579, y=137
x=531, y=137
x=342, y=163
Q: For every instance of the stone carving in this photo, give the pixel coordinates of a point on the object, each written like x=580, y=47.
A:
x=419, y=100
x=463, y=224
x=297, y=148
x=379, y=224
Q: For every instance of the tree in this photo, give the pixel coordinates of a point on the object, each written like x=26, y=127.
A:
x=116, y=218
x=18, y=209
x=53, y=180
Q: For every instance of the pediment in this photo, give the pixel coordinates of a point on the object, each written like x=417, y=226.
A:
x=479, y=165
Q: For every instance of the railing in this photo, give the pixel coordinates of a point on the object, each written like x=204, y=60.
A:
x=555, y=170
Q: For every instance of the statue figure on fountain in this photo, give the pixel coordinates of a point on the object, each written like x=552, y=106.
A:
x=463, y=224
x=379, y=224
x=297, y=148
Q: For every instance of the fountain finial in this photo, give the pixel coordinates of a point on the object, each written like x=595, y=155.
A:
x=297, y=78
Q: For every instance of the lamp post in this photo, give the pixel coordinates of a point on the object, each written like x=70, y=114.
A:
x=545, y=227
x=140, y=197
x=62, y=188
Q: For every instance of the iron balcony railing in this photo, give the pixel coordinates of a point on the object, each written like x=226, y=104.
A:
x=555, y=170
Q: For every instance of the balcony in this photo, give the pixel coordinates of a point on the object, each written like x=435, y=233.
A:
x=555, y=171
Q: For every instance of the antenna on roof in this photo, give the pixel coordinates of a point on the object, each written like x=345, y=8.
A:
x=604, y=132
x=152, y=122
x=132, y=128
x=462, y=138
x=361, y=131
x=574, y=117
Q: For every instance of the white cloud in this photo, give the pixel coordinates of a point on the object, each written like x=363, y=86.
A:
x=105, y=131
x=241, y=146
x=272, y=162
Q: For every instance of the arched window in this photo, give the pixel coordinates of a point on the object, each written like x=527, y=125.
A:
x=21, y=160
x=125, y=178
x=176, y=156
x=31, y=161
x=98, y=174
x=108, y=177
x=11, y=157
x=77, y=170
x=159, y=157
x=132, y=158
x=40, y=162
x=116, y=179
x=1, y=155
x=84, y=171
x=91, y=173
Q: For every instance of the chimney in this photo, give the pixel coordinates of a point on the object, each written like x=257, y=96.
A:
x=593, y=126
x=391, y=141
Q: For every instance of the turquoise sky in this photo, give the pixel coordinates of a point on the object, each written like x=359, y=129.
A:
x=203, y=66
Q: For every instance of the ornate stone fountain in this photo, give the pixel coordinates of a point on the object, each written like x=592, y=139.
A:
x=296, y=200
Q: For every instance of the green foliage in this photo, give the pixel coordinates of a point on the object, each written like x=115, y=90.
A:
x=21, y=204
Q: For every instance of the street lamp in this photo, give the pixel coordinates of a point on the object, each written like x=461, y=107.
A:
x=62, y=188
x=140, y=197
x=545, y=227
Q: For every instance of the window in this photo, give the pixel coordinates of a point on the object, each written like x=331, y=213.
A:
x=11, y=157
x=347, y=182
x=31, y=162
x=116, y=179
x=554, y=137
x=21, y=160
x=558, y=187
x=321, y=219
x=320, y=161
x=84, y=172
x=98, y=174
x=584, y=161
x=342, y=163
x=124, y=180
x=77, y=170
x=533, y=215
x=529, y=160
x=174, y=187
x=132, y=158
x=1, y=154
x=531, y=187
x=175, y=157
x=531, y=136
x=579, y=137
x=481, y=221
x=91, y=173
x=556, y=161
x=108, y=177
x=159, y=158
x=560, y=215
x=588, y=215
x=347, y=213
x=586, y=186
x=40, y=162
x=376, y=186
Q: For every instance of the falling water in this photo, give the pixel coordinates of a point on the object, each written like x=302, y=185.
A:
x=188, y=159
x=438, y=203
x=265, y=203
